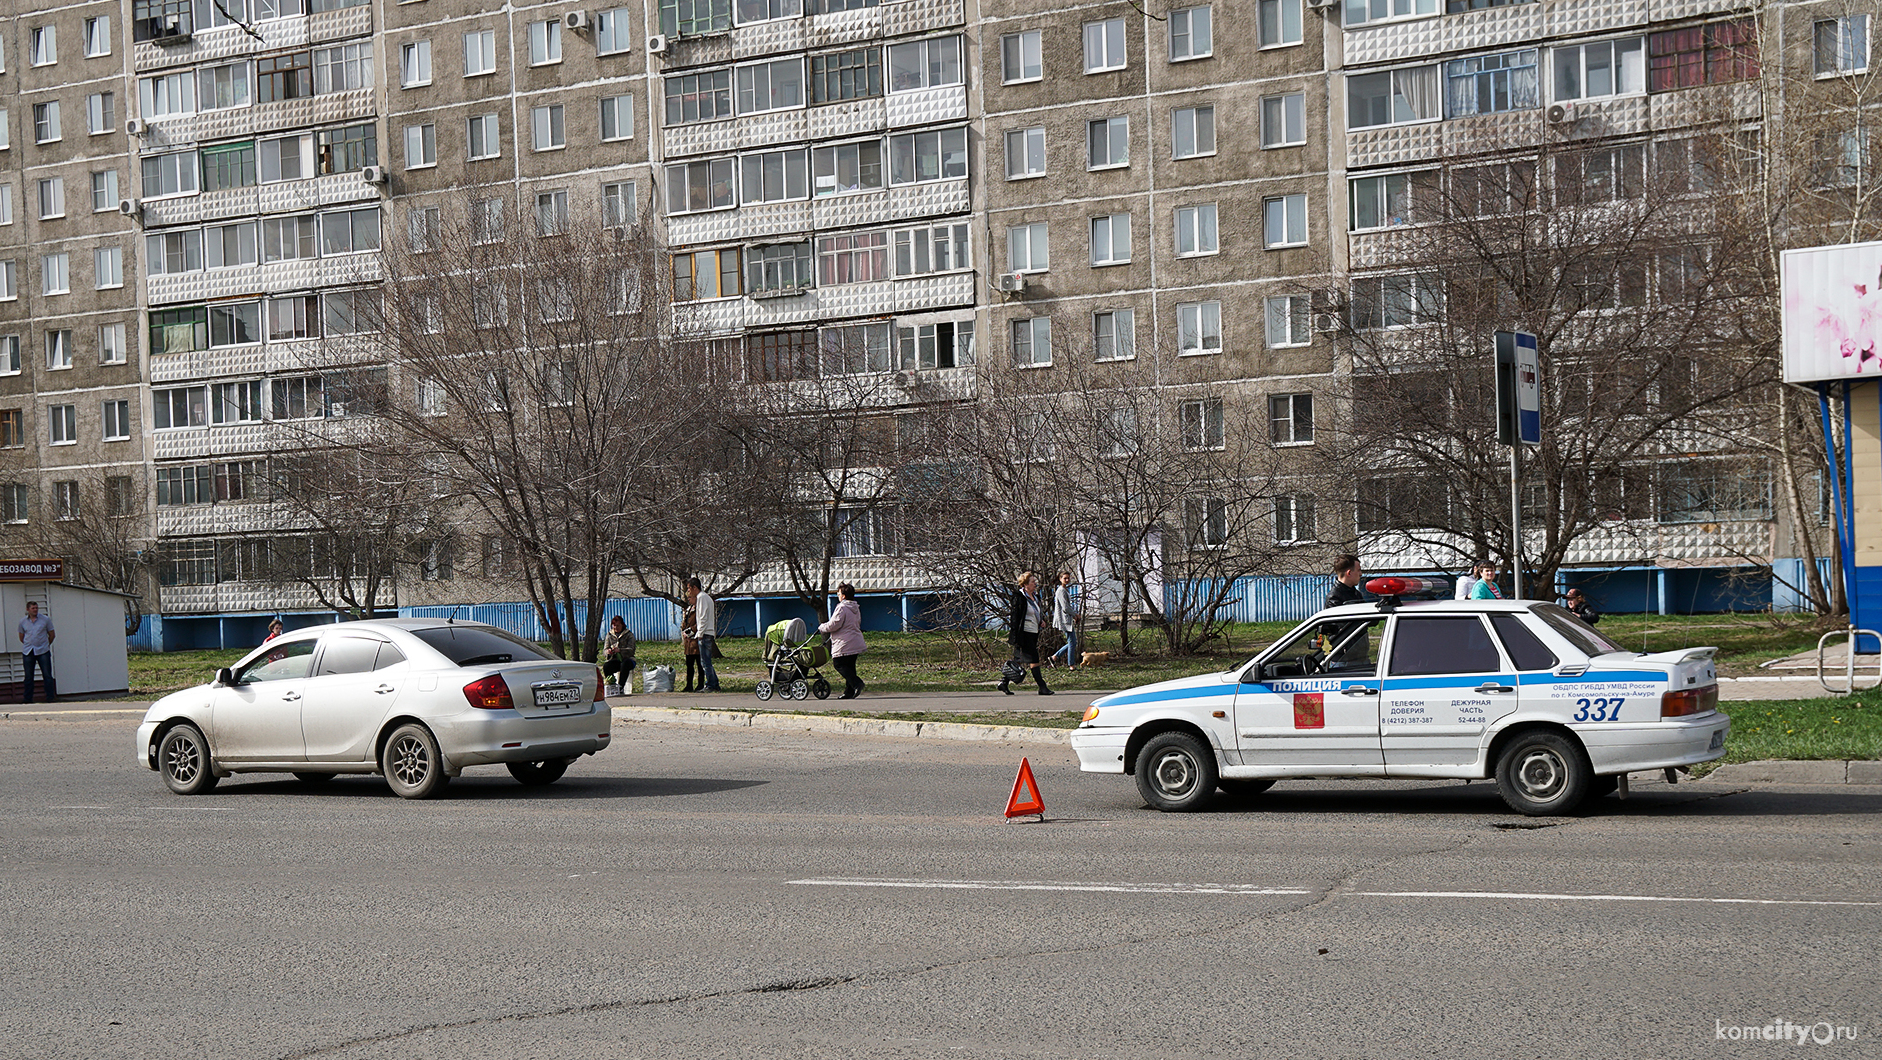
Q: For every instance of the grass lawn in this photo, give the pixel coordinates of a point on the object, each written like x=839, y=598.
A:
x=1834, y=727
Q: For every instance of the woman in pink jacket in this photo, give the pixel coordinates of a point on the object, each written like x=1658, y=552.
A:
x=846, y=638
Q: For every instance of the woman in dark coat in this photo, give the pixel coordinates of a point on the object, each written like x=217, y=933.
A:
x=1025, y=618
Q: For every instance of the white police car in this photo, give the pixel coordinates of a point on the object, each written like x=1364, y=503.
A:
x=1513, y=689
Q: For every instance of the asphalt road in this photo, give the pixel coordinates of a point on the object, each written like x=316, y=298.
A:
x=700, y=892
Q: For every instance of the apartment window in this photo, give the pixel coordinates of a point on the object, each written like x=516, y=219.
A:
x=97, y=37
x=193, y=563
x=1359, y=12
x=706, y=274
x=172, y=174
x=1290, y=419
x=5, y=139
x=119, y=497
x=1200, y=422
x=925, y=64
x=104, y=190
x=486, y=221
x=1284, y=221
x=9, y=289
x=545, y=42
x=63, y=419
x=170, y=253
x=1284, y=120
x=483, y=137
x=421, y=146
x=351, y=312
x=349, y=231
x=1602, y=174
x=705, y=96
x=1280, y=22
x=13, y=503
x=617, y=118
x=235, y=402
x=1482, y=191
x=1104, y=45
x=1189, y=33
x=228, y=166
x=294, y=318
x=855, y=74
x=775, y=176
x=696, y=186
x=287, y=158
x=6, y=204
x=101, y=114
x=10, y=355
x=222, y=87
x=547, y=128
x=857, y=258
x=770, y=86
x=766, y=10
x=46, y=121
x=1389, y=200
x=780, y=268
x=228, y=246
x=617, y=203
x=1842, y=45
x=179, y=331
x=1604, y=68
x=415, y=64
x=422, y=225
x=1288, y=320
x=55, y=274
x=844, y=168
x=279, y=77
x=111, y=348
x=1020, y=57
x=186, y=406
x=1714, y=54
x=1025, y=152
x=289, y=238
x=947, y=344
x=1492, y=84
x=1193, y=131
x=480, y=53
x=552, y=212
x=1396, y=301
x=1032, y=342
x=932, y=249
x=348, y=150
x=1114, y=335
x=297, y=398
x=117, y=421
x=1293, y=519
x=614, y=32
x=44, y=47
x=1111, y=239
x=916, y=158
x=108, y=267
x=1196, y=230
x=1026, y=248
x=59, y=349
x=1107, y=143
x=234, y=324
x=680, y=18
x=1198, y=328
x=343, y=68
x=1392, y=97
x=166, y=96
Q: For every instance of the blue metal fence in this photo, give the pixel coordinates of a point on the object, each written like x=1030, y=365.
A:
x=649, y=617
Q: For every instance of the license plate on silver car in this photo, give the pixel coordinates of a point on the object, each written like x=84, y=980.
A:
x=558, y=697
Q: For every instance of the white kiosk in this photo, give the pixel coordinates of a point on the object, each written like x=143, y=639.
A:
x=88, y=657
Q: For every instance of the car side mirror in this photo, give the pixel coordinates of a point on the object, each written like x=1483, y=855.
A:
x=225, y=676
x=1255, y=674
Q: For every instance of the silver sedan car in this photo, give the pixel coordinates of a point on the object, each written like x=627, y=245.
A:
x=414, y=699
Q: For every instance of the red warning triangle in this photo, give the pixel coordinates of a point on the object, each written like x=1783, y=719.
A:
x=1025, y=800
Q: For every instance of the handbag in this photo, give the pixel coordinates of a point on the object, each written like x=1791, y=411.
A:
x=1013, y=670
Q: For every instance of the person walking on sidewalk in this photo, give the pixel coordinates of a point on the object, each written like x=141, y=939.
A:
x=36, y=637
x=706, y=615
x=1065, y=620
x=845, y=629
x=1025, y=618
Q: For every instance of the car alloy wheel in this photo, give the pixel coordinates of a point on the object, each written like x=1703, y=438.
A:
x=412, y=765
x=183, y=760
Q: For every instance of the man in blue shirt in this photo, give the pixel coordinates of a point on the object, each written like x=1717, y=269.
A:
x=36, y=636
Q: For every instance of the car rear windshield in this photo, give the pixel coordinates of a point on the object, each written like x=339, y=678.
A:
x=1579, y=633
x=478, y=645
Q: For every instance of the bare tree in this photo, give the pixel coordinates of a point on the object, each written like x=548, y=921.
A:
x=98, y=521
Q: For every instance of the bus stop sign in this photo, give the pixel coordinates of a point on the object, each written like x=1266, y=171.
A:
x=1518, y=389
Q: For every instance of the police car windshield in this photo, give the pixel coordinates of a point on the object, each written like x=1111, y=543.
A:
x=1579, y=633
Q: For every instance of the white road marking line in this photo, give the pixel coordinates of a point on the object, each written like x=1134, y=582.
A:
x=1245, y=888
x=1520, y=896
x=78, y=807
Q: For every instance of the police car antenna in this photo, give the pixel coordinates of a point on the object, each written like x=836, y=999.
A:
x=451, y=619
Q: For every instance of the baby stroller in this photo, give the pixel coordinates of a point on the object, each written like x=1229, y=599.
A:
x=793, y=659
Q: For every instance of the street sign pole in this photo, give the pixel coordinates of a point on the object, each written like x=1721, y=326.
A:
x=1518, y=423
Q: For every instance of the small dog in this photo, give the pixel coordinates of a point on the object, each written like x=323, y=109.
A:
x=1094, y=658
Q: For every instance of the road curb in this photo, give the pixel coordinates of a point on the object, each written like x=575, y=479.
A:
x=1774, y=771
x=933, y=730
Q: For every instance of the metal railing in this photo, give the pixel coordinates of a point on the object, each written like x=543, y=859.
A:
x=1855, y=636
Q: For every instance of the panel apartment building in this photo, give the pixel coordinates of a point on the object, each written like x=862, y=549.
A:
x=193, y=194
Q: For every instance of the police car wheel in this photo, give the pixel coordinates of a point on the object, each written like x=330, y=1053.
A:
x=1542, y=774
x=1175, y=772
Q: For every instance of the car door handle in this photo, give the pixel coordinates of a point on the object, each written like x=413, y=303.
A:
x=383, y=689
x=1359, y=690
x=1487, y=687
x=290, y=695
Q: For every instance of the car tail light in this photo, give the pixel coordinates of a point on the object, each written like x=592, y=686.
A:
x=600, y=689
x=489, y=693
x=1686, y=701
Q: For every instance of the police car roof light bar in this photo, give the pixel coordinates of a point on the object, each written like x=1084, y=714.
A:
x=1390, y=589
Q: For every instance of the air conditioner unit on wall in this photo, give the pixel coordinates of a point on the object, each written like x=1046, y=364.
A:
x=657, y=44
x=1563, y=113
x=1010, y=282
x=374, y=174
x=1326, y=322
x=134, y=127
x=576, y=20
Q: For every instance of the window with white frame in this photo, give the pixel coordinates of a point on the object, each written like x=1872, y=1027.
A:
x=766, y=10
x=916, y=158
x=101, y=115
x=925, y=64
x=230, y=245
x=297, y=317
x=343, y=68
x=285, y=158
x=617, y=203
x=843, y=168
x=1189, y=34
x=107, y=267
x=1293, y=519
x=943, y=344
x=929, y=249
x=486, y=221
x=9, y=280
x=704, y=96
x=5, y=137
x=173, y=252
x=1600, y=69
x=1111, y=239
x=1196, y=230
x=1020, y=58
x=1025, y=152
x=552, y=212
x=1398, y=300
x=349, y=231
x=1284, y=221
x=693, y=187
x=1601, y=174
x=423, y=224
x=63, y=420
x=1026, y=248
x=1493, y=84
x=117, y=421
x=104, y=190
x=46, y=122
x=289, y=238
x=1391, y=199
x=1193, y=131
x=614, y=31
x=555, y=303
x=14, y=502
x=1841, y=45
x=421, y=146
x=1393, y=97
x=1104, y=46
x=480, y=52
x=857, y=257
x=1199, y=421
x=1284, y=120
x=1280, y=22
x=483, y=137
x=1289, y=320
x=166, y=96
x=97, y=37
x=704, y=274
x=1107, y=143
x=415, y=63
x=430, y=397
x=773, y=85
x=171, y=174
x=774, y=176
x=547, y=127
x=545, y=42
x=617, y=118
x=1114, y=335
x=6, y=204
x=1290, y=419
x=1032, y=342
x=1360, y=12
x=59, y=349
x=1119, y=430
x=111, y=348
x=55, y=273
x=1207, y=519
x=223, y=87
x=234, y=324
x=297, y=398
x=10, y=363
x=351, y=312
x=43, y=45
x=1198, y=328
x=238, y=402
x=777, y=268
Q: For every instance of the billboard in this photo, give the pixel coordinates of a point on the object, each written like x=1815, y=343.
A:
x=1833, y=313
